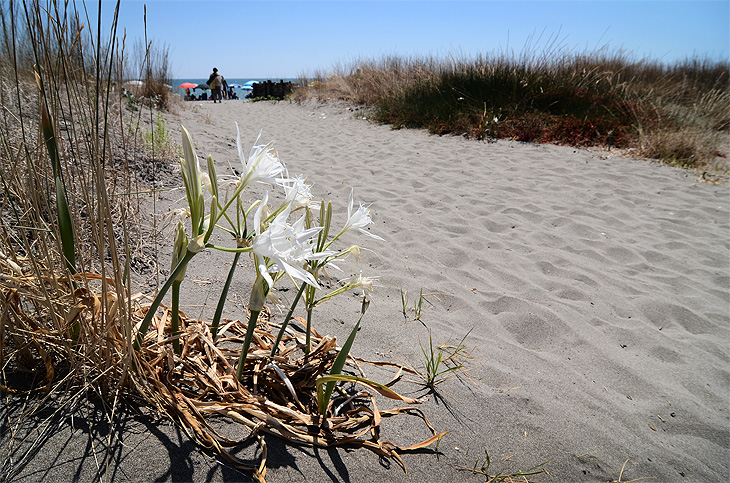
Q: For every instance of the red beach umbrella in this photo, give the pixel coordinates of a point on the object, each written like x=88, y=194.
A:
x=188, y=85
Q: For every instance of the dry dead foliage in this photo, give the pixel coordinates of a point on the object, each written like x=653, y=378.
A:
x=277, y=397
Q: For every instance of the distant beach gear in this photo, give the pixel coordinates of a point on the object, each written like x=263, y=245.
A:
x=249, y=84
x=202, y=86
x=235, y=85
x=134, y=83
x=270, y=90
x=188, y=85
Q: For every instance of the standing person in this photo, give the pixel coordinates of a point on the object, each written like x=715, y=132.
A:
x=224, y=87
x=215, y=81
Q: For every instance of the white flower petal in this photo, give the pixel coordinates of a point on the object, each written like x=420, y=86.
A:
x=350, y=202
x=239, y=146
x=265, y=273
x=262, y=165
x=371, y=235
x=300, y=274
x=359, y=219
x=259, y=210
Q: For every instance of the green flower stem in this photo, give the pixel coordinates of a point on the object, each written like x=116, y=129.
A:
x=247, y=342
x=175, y=321
x=309, y=299
x=224, y=294
x=287, y=319
x=228, y=249
x=308, y=346
x=158, y=299
x=233, y=197
x=228, y=218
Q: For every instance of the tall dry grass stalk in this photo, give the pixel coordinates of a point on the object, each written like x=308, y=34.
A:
x=72, y=67
x=66, y=318
x=69, y=317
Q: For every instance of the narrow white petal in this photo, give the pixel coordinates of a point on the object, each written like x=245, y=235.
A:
x=239, y=146
x=371, y=235
x=350, y=202
x=265, y=273
x=257, y=215
x=300, y=274
x=307, y=234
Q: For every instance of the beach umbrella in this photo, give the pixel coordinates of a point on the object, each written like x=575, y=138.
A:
x=203, y=86
x=188, y=85
x=249, y=84
x=235, y=85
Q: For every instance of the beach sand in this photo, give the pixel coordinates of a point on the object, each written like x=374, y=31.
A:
x=594, y=289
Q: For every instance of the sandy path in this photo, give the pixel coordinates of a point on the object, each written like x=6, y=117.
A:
x=597, y=290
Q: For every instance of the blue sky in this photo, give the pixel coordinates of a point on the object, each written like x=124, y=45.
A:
x=287, y=38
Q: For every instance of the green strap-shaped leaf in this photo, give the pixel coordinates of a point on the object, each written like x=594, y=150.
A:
x=339, y=363
x=377, y=387
x=65, y=226
x=158, y=299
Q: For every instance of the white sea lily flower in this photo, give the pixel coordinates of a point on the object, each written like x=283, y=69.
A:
x=284, y=247
x=367, y=283
x=358, y=219
x=298, y=192
x=262, y=164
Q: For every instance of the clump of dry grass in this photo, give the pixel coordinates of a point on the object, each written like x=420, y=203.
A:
x=68, y=204
x=366, y=81
x=276, y=396
x=73, y=167
x=148, y=73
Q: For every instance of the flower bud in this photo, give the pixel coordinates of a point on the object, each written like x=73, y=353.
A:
x=258, y=294
x=197, y=244
x=179, y=248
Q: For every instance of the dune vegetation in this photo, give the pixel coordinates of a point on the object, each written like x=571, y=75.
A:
x=83, y=151
x=678, y=113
